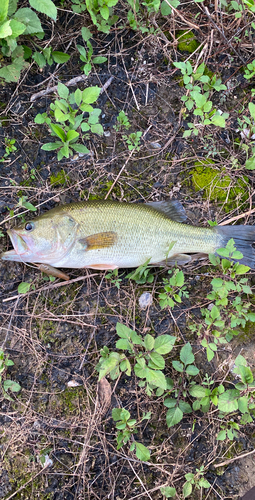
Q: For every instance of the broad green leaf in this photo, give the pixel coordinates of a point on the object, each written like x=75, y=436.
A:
x=45, y=7
x=51, y=146
x=64, y=151
x=58, y=131
x=125, y=366
x=168, y=491
x=141, y=371
x=250, y=163
x=90, y=94
x=99, y=60
x=97, y=129
x=60, y=57
x=11, y=8
x=63, y=91
x=24, y=287
x=78, y=96
x=142, y=452
x=197, y=391
x=156, y=378
x=246, y=374
x=215, y=313
x=173, y=416
x=186, y=354
x=104, y=11
x=71, y=135
x=221, y=435
x=179, y=367
x=149, y=342
x=30, y=19
x=185, y=407
x=10, y=384
x=5, y=29
x=218, y=120
x=17, y=28
x=123, y=331
x=109, y=364
x=86, y=34
x=123, y=344
x=241, y=269
x=39, y=59
x=4, y=4
x=243, y=404
x=29, y=206
x=165, y=9
x=203, y=483
x=164, y=344
x=192, y=370
x=80, y=148
x=251, y=107
x=187, y=489
x=156, y=361
x=228, y=401
x=116, y=414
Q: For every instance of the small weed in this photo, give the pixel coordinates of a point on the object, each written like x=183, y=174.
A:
x=114, y=278
x=123, y=121
x=86, y=54
x=9, y=148
x=174, y=290
x=127, y=427
x=69, y=110
x=7, y=384
x=133, y=140
x=142, y=274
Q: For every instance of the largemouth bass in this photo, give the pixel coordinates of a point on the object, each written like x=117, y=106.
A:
x=102, y=234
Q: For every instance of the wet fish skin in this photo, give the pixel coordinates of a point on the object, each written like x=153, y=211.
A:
x=108, y=234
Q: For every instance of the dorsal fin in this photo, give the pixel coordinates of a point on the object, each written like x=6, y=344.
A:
x=173, y=209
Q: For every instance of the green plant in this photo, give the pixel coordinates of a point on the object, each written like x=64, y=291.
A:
x=249, y=70
x=142, y=274
x=174, y=290
x=14, y=23
x=26, y=204
x=231, y=400
x=69, y=110
x=133, y=140
x=194, y=97
x=247, y=127
x=140, y=13
x=49, y=56
x=7, y=384
x=225, y=313
x=196, y=480
x=86, y=55
x=126, y=430
x=176, y=404
x=228, y=431
x=144, y=355
x=101, y=13
x=78, y=6
x=123, y=121
x=9, y=148
x=114, y=278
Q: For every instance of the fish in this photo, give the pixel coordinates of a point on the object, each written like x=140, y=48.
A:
x=106, y=235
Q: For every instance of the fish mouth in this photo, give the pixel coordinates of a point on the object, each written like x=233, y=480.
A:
x=20, y=247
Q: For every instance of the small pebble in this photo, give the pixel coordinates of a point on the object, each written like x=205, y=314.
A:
x=145, y=300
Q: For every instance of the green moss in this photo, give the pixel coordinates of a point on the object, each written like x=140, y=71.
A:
x=218, y=185
x=186, y=41
x=59, y=179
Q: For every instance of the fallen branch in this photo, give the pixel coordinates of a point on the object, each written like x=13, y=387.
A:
x=73, y=81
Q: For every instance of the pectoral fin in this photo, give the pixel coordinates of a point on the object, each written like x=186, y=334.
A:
x=99, y=240
x=52, y=271
x=181, y=258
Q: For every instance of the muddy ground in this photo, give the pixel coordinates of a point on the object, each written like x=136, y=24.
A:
x=54, y=332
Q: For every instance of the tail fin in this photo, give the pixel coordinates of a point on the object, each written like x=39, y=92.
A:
x=244, y=238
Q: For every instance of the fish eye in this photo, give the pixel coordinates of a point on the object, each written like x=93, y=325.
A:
x=29, y=226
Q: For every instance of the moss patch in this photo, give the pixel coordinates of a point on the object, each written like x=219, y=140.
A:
x=218, y=186
x=59, y=179
x=186, y=41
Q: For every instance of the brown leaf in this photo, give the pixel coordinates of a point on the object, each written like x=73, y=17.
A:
x=104, y=394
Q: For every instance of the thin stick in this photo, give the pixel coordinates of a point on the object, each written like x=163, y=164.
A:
x=237, y=217
x=73, y=81
x=56, y=285
x=233, y=459
x=119, y=174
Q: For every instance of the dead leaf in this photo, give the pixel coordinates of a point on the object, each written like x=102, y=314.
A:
x=104, y=393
